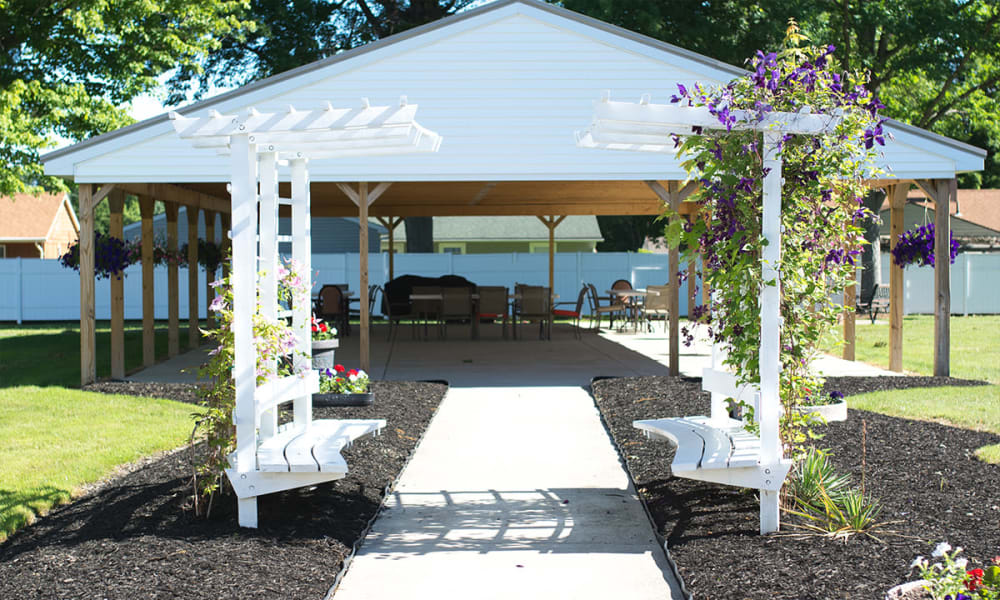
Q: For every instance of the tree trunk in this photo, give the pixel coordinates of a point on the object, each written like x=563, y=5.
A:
x=419, y=234
x=871, y=257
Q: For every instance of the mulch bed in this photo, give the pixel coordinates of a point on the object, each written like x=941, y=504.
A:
x=931, y=486
x=133, y=537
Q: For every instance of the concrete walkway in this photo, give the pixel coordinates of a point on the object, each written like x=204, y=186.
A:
x=515, y=492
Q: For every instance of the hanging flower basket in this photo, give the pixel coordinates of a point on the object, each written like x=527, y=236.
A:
x=916, y=247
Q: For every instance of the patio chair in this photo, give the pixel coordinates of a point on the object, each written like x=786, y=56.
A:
x=614, y=307
x=535, y=306
x=331, y=307
x=373, y=291
x=425, y=310
x=657, y=305
x=576, y=312
x=493, y=304
x=456, y=304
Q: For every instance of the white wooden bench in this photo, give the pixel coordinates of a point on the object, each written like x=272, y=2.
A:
x=301, y=453
x=717, y=448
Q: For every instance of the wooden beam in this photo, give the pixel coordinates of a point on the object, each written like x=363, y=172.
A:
x=363, y=202
x=148, y=297
x=392, y=224
x=88, y=340
x=192, y=256
x=351, y=193
x=209, y=277
x=173, y=284
x=482, y=193
x=897, y=201
x=101, y=194
x=116, y=202
x=946, y=191
x=168, y=192
x=551, y=223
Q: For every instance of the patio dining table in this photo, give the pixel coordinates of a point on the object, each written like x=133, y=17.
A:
x=633, y=309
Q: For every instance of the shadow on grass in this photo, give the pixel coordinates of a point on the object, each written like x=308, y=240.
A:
x=19, y=507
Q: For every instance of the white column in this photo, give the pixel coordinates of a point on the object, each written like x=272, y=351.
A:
x=770, y=327
x=244, y=282
x=268, y=248
x=302, y=254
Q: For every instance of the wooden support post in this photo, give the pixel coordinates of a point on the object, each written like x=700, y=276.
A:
x=671, y=196
x=673, y=266
x=365, y=354
x=192, y=255
x=148, y=297
x=173, y=284
x=227, y=243
x=692, y=278
x=116, y=202
x=850, y=302
x=88, y=341
x=209, y=276
x=390, y=224
x=946, y=192
x=897, y=199
x=551, y=223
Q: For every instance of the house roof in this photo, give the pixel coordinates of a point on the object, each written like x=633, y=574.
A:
x=29, y=218
x=506, y=85
x=981, y=207
x=582, y=228
x=921, y=213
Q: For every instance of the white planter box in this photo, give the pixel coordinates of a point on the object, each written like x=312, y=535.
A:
x=829, y=412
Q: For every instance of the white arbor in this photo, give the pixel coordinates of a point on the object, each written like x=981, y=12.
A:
x=646, y=127
x=257, y=143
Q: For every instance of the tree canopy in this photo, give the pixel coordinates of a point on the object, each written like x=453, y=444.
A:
x=68, y=68
x=934, y=63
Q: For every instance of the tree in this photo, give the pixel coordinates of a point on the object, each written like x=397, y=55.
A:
x=67, y=68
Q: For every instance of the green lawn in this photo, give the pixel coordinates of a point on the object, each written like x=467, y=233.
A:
x=970, y=407
x=49, y=353
x=53, y=440
x=975, y=354
x=975, y=345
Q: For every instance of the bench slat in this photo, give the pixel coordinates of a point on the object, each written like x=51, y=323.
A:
x=334, y=436
x=318, y=448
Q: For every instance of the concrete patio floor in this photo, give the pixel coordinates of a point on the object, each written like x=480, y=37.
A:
x=516, y=490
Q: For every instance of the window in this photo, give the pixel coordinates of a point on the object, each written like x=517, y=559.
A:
x=456, y=248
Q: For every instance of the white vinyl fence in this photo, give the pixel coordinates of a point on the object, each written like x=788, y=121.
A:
x=43, y=290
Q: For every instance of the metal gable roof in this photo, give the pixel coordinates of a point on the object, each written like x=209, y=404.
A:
x=958, y=156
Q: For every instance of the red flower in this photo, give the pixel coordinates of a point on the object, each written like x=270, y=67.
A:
x=315, y=329
x=339, y=368
x=975, y=579
x=352, y=372
x=323, y=327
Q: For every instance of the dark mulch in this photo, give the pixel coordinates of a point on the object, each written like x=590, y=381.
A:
x=133, y=538
x=925, y=475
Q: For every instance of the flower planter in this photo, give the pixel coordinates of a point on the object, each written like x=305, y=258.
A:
x=322, y=351
x=361, y=399
x=911, y=590
x=829, y=412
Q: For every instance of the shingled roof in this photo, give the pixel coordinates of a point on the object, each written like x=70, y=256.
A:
x=25, y=217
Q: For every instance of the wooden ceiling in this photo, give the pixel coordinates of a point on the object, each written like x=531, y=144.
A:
x=465, y=198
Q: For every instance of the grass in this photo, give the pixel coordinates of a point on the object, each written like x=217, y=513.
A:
x=54, y=440
x=975, y=345
x=975, y=354
x=49, y=353
x=968, y=407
